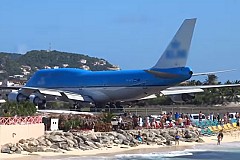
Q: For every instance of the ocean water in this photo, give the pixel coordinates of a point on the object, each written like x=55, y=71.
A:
x=226, y=151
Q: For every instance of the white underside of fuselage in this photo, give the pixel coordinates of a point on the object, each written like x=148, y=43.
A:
x=113, y=94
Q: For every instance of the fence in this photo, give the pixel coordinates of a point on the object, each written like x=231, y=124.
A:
x=20, y=120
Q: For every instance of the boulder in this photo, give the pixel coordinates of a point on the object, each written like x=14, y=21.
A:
x=91, y=144
x=48, y=143
x=5, y=149
x=33, y=142
x=121, y=136
x=22, y=141
x=126, y=142
x=92, y=136
x=40, y=149
x=57, y=133
x=99, y=145
x=55, y=138
x=42, y=142
x=117, y=141
x=13, y=148
x=84, y=138
x=54, y=146
x=68, y=134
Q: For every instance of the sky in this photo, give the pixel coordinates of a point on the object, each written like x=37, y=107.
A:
x=129, y=33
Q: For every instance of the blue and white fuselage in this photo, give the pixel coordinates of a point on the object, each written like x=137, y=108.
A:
x=107, y=86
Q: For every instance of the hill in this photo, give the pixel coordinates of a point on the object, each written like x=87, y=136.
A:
x=26, y=64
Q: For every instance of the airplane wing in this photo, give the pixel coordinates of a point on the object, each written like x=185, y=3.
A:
x=193, y=89
x=10, y=87
x=58, y=93
x=214, y=72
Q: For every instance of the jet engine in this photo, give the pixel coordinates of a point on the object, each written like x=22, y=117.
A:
x=180, y=98
x=36, y=100
x=15, y=96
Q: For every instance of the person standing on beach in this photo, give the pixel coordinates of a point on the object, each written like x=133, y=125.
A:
x=200, y=116
x=177, y=137
x=219, y=137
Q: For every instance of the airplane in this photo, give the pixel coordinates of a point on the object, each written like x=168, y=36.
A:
x=100, y=87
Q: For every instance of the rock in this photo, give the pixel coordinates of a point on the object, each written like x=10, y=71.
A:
x=200, y=140
x=159, y=143
x=91, y=144
x=149, y=143
x=133, y=145
x=22, y=141
x=79, y=140
x=55, y=138
x=172, y=132
x=157, y=132
x=149, y=139
x=121, y=131
x=129, y=137
x=117, y=141
x=5, y=149
x=33, y=142
x=168, y=142
x=30, y=149
x=84, y=138
x=14, y=148
x=54, y=146
x=135, y=141
x=83, y=146
x=99, y=145
x=64, y=146
x=40, y=149
x=19, y=147
x=92, y=136
x=48, y=143
x=56, y=133
x=111, y=137
x=50, y=150
x=121, y=136
x=195, y=135
x=126, y=142
x=42, y=141
x=114, y=134
x=70, y=143
x=18, y=152
x=68, y=134
x=106, y=140
x=75, y=141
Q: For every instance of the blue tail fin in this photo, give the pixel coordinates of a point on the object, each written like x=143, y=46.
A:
x=176, y=53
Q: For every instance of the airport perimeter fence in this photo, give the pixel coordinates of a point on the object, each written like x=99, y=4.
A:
x=191, y=109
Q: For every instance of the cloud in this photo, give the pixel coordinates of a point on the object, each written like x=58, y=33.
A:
x=22, y=48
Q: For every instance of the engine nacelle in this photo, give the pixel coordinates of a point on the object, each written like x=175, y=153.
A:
x=36, y=100
x=180, y=98
x=15, y=96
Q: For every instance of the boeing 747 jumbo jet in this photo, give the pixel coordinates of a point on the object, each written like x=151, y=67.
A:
x=100, y=87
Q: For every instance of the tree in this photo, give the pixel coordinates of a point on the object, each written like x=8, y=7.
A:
x=20, y=109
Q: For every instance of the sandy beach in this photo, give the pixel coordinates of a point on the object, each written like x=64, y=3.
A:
x=122, y=149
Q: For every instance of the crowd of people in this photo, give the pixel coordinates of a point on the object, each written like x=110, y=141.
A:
x=168, y=120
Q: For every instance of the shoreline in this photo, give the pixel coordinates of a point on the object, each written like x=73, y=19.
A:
x=121, y=149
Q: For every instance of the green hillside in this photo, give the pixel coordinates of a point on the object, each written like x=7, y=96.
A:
x=12, y=64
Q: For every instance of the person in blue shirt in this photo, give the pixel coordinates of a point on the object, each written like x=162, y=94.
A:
x=176, y=116
x=139, y=137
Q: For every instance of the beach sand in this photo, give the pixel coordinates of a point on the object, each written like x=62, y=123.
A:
x=121, y=149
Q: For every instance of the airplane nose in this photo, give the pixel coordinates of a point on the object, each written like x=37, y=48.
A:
x=190, y=72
